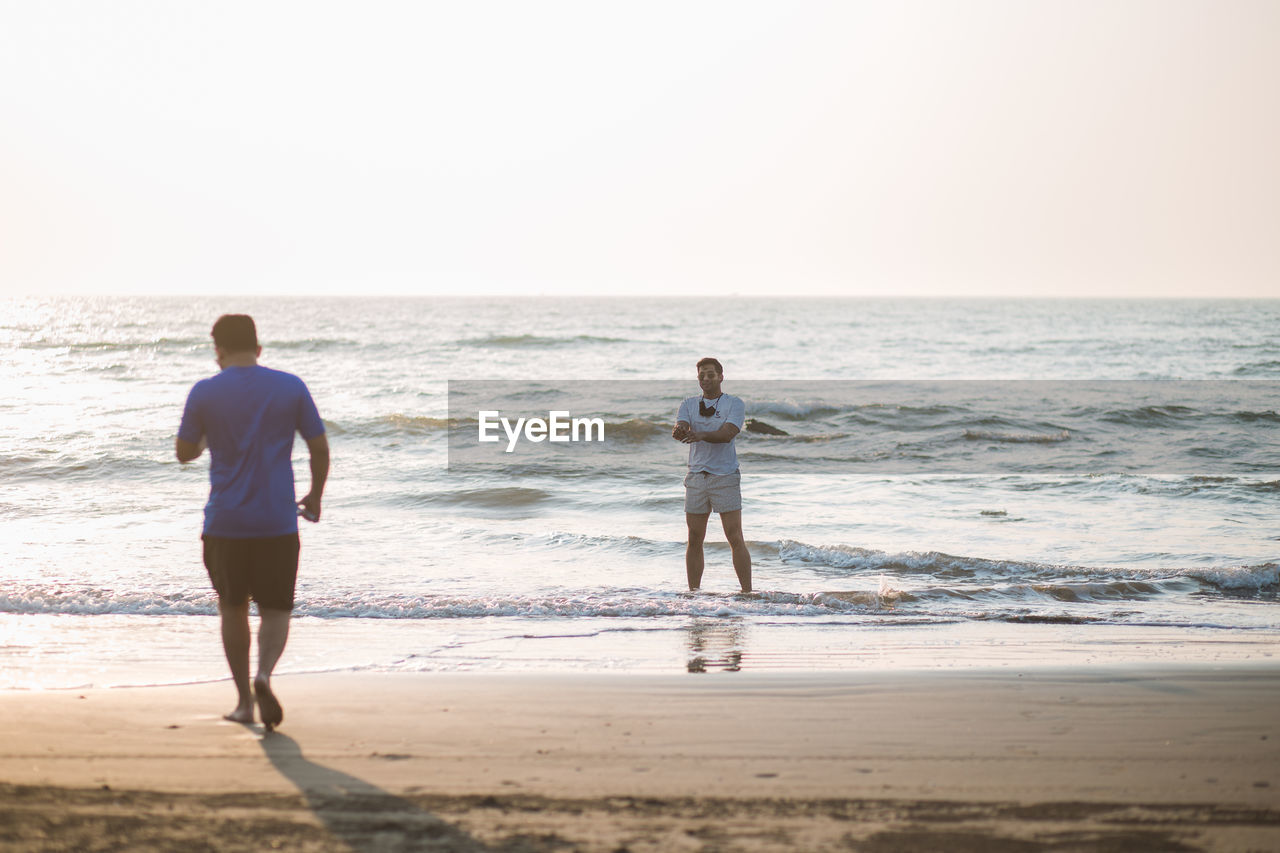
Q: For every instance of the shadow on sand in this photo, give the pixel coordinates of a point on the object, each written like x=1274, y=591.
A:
x=359, y=814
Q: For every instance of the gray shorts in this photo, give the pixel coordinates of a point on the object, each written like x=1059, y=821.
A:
x=705, y=492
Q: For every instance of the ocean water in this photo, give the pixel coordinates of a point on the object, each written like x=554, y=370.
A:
x=960, y=483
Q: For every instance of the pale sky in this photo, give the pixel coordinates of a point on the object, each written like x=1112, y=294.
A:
x=846, y=148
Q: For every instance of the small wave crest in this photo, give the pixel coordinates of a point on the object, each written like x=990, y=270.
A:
x=391, y=425
x=636, y=429
x=928, y=562
x=1259, y=368
x=793, y=410
x=312, y=344
x=1237, y=579
x=503, y=496
x=1152, y=416
x=85, y=465
x=107, y=346
x=1017, y=437
x=518, y=341
x=1248, y=417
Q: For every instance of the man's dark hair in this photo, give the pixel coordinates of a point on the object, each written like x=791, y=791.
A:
x=235, y=333
x=710, y=360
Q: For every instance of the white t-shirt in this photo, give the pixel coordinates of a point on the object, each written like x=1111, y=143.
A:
x=709, y=456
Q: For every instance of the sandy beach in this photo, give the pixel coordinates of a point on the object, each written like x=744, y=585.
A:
x=1157, y=758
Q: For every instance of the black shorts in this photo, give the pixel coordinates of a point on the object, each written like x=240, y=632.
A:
x=264, y=569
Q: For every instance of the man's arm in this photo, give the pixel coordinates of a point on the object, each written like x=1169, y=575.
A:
x=318, y=447
x=191, y=425
x=723, y=435
x=188, y=450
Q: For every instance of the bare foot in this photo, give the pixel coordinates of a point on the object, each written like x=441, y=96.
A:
x=272, y=713
x=241, y=714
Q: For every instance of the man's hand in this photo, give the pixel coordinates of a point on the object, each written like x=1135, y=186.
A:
x=309, y=507
x=681, y=432
x=318, y=447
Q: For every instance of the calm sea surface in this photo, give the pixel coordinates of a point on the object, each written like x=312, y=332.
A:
x=969, y=483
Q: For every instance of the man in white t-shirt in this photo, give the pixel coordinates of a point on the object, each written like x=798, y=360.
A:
x=708, y=423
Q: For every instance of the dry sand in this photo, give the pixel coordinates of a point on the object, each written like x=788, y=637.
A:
x=1107, y=759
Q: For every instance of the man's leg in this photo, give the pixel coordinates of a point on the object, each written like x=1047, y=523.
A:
x=273, y=590
x=697, y=522
x=273, y=633
x=732, y=522
x=235, y=643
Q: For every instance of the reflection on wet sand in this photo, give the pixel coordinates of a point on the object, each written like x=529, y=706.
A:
x=716, y=644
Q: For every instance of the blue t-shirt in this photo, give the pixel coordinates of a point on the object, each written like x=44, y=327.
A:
x=249, y=416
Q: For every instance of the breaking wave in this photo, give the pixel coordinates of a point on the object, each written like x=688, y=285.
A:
x=1234, y=579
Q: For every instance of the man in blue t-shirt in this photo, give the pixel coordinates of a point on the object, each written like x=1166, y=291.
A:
x=247, y=415
x=708, y=423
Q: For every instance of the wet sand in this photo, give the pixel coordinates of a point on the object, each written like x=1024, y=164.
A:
x=1154, y=758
